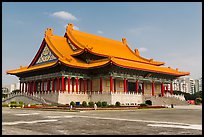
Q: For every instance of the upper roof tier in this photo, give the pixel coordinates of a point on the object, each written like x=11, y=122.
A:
x=105, y=46
x=69, y=49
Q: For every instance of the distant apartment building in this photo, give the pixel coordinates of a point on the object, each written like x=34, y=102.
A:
x=187, y=85
x=198, y=85
x=11, y=87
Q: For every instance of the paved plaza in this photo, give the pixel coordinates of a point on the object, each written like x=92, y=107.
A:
x=168, y=121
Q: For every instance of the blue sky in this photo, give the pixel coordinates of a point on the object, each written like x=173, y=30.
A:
x=169, y=32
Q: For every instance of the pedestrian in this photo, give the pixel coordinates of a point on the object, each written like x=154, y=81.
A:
x=70, y=107
x=95, y=106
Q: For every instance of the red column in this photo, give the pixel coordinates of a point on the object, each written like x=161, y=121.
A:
x=171, y=88
x=84, y=85
x=53, y=85
x=48, y=85
x=101, y=84
x=125, y=86
x=68, y=82
x=143, y=88
x=152, y=88
x=23, y=86
x=42, y=85
x=73, y=84
x=162, y=89
x=77, y=85
x=111, y=83
x=136, y=88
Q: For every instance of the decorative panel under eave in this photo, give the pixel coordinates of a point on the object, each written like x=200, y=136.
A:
x=46, y=56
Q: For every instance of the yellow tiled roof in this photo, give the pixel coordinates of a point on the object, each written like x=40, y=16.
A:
x=115, y=51
x=147, y=67
x=105, y=46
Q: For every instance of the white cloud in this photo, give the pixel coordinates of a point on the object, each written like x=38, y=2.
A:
x=100, y=32
x=142, y=49
x=64, y=15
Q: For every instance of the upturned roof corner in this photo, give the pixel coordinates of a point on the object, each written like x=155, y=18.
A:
x=48, y=32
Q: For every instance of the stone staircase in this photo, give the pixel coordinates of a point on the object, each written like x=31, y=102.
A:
x=26, y=98
x=165, y=101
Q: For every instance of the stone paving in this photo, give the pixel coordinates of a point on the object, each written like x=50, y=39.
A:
x=166, y=121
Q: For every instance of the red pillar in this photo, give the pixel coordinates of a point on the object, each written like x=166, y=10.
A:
x=162, y=89
x=143, y=88
x=62, y=84
x=136, y=88
x=125, y=86
x=84, y=85
x=34, y=86
x=73, y=84
x=101, y=84
x=111, y=83
x=53, y=85
x=171, y=88
x=152, y=88
x=77, y=85
x=68, y=83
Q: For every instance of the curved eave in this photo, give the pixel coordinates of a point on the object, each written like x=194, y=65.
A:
x=145, y=60
x=145, y=67
x=95, y=64
x=32, y=68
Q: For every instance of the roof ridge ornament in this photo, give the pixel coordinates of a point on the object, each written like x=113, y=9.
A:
x=48, y=32
x=70, y=26
x=124, y=41
x=137, y=52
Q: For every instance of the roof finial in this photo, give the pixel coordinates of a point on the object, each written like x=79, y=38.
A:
x=137, y=52
x=124, y=41
x=48, y=32
x=70, y=26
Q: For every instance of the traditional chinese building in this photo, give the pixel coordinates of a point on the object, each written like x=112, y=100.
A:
x=84, y=67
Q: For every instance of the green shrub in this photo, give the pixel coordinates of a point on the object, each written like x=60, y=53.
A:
x=13, y=102
x=117, y=104
x=91, y=104
x=104, y=104
x=148, y=102
x=4, y=105
x=73, y=103
x=20, y=103
x=84, y=104
x=198, y=101
x=99, y=104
